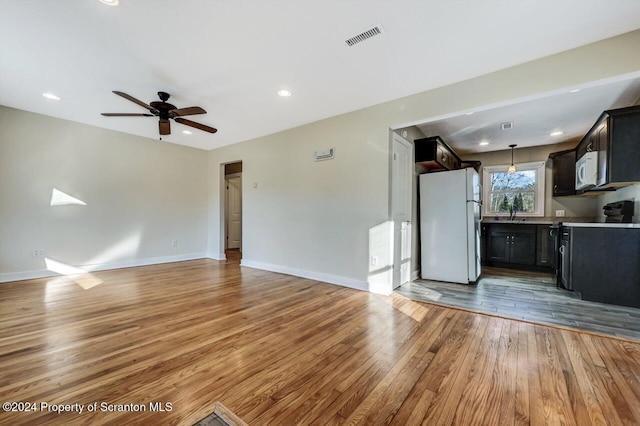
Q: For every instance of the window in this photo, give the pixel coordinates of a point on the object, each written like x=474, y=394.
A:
x=522, y=191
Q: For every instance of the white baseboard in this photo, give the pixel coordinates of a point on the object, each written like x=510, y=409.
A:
x=219, y=256
x=312, y=275
x=415, y=275
x=43, y=273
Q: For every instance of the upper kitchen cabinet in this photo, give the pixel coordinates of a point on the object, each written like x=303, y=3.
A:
x=564, y=172
x=432, y=154
x=615, y=141
x=616, y=138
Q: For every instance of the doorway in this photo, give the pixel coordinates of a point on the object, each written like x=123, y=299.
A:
x=233, y=210
x=401, y=197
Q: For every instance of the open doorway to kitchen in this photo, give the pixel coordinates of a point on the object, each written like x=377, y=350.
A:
x=233, y=211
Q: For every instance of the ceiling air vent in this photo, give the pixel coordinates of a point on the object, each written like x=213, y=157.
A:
x=507, y=126
x=371, y=32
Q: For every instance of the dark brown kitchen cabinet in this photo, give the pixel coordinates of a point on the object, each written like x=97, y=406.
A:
x=547, y=246
x=433, y=154
x=511, y=244
x=564, y=172
x=603, y=264
x=616, y=138
x=498, y=245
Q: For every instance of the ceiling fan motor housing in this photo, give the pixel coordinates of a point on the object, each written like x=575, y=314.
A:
x=163, y=108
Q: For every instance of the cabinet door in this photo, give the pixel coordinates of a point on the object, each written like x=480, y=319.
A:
x=565, y=263
x=523, y=248
x=546, y=250
x=603, y=146
x=564, y=173
x=498, y=244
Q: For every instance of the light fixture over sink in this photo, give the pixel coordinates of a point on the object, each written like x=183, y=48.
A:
x=512, y=167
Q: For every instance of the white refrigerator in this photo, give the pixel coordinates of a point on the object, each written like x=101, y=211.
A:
x=450, y=217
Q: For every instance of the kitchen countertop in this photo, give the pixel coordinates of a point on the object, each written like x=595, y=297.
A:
x=600, y=225
x=524, y=220
x=575, y=222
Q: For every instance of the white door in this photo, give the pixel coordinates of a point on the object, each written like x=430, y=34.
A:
x=234, y=212
x=401, y=179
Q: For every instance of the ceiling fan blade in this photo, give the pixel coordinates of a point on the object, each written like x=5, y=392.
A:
x=126, y=114
x=165, y=127
x=196, y=125
x=134, y=100
x=187, y=111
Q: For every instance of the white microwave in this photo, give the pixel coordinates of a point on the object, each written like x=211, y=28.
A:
x=587, y=170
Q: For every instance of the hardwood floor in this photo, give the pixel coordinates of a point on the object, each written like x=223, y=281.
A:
x=531, y=296
x=281, y=350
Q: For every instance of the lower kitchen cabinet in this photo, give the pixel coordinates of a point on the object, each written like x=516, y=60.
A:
x=604, y=264
x=547, y=246
x=509, y=243
x=518, y=245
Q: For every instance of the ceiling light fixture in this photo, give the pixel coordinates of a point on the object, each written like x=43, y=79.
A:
x=51, y=96
x=187, y=132
x=558, y=133
x=110, y=2
x=512, y=167
x=284, y=93
x=483, y=143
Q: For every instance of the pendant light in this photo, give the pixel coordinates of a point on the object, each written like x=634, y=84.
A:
x=512, y=167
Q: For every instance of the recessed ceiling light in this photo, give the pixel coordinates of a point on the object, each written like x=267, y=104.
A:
x=468, y=113
x=483, y=143
x=574, y=90
x=51, y=96
x=284, y=93
x=558, y=133
x=110, y=2
x=187, y=132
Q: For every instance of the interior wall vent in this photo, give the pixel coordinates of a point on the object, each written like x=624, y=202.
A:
x=507, y=126
x=365, y=35
x=323, y=154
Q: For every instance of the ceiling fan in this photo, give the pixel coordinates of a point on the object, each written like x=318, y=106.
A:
x=164, y=111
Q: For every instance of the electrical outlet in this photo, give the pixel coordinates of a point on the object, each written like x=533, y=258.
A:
x=559, y=213
x=37, y=253
x=174, y=243
x=374, y=260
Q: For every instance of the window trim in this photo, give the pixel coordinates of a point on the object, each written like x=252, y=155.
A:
x=538, y=166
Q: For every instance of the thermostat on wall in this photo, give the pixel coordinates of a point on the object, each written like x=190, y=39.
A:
x=323, y=154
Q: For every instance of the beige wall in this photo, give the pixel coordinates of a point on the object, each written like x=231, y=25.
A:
x=631, y=193
x=317, y=219
x=140, y=194
x=573, y=206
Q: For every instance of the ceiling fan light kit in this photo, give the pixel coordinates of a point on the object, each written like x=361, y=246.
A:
x=165, y=112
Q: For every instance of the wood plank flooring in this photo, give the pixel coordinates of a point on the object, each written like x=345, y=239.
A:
x=531, y=296
x=281, y=350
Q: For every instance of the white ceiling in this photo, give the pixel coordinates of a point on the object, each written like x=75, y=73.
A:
x=231, y=57
x=572, y=113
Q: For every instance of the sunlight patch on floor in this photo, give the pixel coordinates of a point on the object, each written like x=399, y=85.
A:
x=81, y=277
